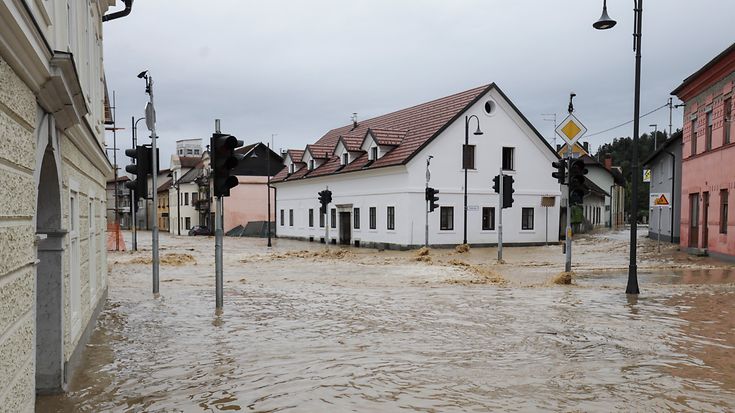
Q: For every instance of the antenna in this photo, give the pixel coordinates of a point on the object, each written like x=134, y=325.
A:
x=548, y=119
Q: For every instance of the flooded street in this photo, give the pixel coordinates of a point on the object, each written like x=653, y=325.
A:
x=362, y=330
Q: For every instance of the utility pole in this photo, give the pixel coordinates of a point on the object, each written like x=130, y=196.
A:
x=150, y=120
x=655, y=135
x=428, y=178
x=671, y=109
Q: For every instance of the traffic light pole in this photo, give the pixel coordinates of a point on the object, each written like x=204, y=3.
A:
x=500, y=217
x=426, y=191
x=326, y=224
x=568, y=237
x=218, y=234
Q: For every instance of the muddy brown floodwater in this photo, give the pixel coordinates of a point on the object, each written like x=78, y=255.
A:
x=361, y=330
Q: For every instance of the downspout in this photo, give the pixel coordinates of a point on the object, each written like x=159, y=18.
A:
x=275, y=209
x=118, y=14
x=612, y=199
x=673, y=179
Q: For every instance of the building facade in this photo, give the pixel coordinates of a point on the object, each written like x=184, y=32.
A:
x=665, y=165
x=122, y=193
x=377, y=169
x=53, y=270
x=708, y=170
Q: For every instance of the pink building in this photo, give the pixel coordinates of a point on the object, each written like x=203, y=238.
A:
x=248, y=201
x=708, y=168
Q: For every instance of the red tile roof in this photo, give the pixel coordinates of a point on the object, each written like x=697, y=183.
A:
x=320, y=151
x=407, y=130
x=295, y=154
x=351, y=142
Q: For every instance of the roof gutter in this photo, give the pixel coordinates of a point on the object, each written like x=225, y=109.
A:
x=118, y=14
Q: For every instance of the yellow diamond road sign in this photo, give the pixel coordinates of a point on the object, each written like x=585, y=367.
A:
x=571, y=129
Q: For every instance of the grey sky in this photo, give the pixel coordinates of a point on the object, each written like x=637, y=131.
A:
x=299, y=68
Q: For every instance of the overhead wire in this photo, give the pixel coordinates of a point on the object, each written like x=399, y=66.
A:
x=628, y=122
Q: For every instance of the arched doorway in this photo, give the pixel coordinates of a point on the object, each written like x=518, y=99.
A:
x=49, y=280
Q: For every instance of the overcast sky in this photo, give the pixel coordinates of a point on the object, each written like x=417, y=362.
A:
x=299, y=68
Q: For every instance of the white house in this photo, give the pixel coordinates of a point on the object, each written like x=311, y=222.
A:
x=376, y=170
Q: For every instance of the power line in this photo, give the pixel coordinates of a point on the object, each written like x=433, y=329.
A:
x=628, y=122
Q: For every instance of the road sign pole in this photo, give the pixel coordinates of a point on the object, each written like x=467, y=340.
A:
x=568, y=237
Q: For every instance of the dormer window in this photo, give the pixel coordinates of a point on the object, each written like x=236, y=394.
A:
x=373, y=153
x=311, y=164
x=292, y=168
x=345, y=158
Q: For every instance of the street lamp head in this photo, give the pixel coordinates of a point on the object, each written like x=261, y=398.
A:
x=143, y=74
x=478, y=131
x=605, y=22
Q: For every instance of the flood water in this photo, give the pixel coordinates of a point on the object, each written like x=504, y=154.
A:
x=340, y=346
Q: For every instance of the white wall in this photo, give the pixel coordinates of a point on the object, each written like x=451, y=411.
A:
x=403, y=187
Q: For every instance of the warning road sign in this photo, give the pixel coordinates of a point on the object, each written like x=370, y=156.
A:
x=660, y=199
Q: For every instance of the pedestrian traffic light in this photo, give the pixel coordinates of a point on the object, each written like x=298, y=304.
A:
x=496, y=184
x=577, y=187
x=325, y=198
x=141, y=167
x=224, y=160
x=432, y=198
x=508, y=191
x=561, y=170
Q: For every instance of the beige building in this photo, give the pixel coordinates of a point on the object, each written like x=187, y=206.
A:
x=53, y=170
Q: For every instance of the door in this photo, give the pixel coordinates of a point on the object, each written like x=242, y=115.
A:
x=693, y=220
x=345, y=228
x=705, y=218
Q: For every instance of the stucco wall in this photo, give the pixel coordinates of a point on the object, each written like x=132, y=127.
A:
x=248, y=201
x=17, y=255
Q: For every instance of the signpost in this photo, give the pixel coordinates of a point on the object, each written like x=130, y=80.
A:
x=660, y=200
x=570, y=129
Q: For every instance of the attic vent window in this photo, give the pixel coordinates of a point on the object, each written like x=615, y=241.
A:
x=490, y=107
x=311, y=164
x=373, y=153
x=345, y=158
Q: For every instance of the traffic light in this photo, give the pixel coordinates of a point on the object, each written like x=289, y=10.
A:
x=496, y=184
x=325, y=198
x=432, y=198
x=140, y=168
x=577, y=187
x=561, y=170
x=224, y=159
x=508, y=191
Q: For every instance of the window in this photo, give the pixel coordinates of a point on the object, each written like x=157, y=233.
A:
x=391, y=215
x=488, y=218
x=694, y=137
x=468, y=156
x=194, y=197
x=446, y=218
x=708, y=132
x=724, y=194
x=293, y=167
x=196, y=151
x=189, y=151
x=311, y=217
x=345, y=158
x=290, y=217
x=373, y=218
x=508, y=164
x=527, y=218
x=311, y=164
x=186, y=198
x=283, y=214
x=726, y=116
x=333, y=218
x=321, y=219
x=187, y=223
x=373, y=153
x=356, y=217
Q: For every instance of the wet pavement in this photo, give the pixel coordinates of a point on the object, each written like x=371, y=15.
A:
x=371, y=331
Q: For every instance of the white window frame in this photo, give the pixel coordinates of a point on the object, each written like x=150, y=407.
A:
x=74, y=265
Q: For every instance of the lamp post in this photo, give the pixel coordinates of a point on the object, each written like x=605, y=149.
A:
x=655, y=135
x=605, y=22
x=177, y=184
x=268, y=166
x=465, y=161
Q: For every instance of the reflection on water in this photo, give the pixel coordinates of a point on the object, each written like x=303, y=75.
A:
x=453, y=348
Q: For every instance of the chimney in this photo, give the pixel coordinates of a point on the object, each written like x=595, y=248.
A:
x=558, y=147
x=608, y=162
x=354, y=120
x=586, y=146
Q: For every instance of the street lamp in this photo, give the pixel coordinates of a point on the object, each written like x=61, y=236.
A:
x=465, y=161
x=655, y=135
x=605, y=22
x=177, y=184
x=268, y=166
